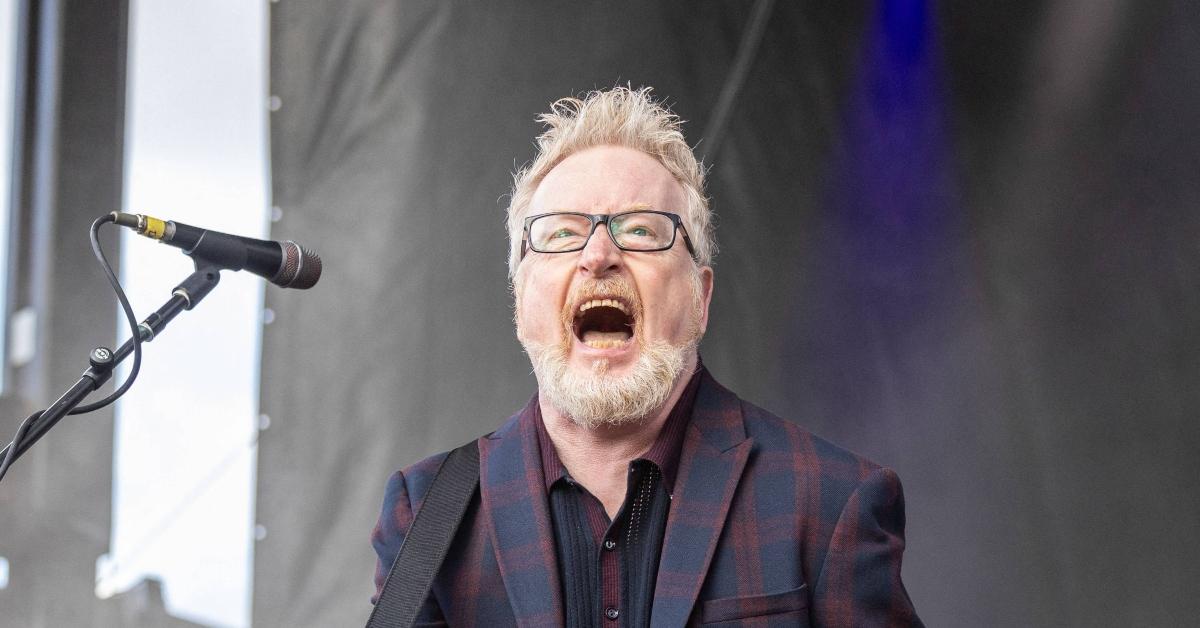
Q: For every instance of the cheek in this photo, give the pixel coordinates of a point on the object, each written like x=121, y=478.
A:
x=689, y=291
x=669, y=315
x=537, y=312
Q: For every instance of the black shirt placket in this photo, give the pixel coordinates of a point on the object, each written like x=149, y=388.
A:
x=628, y=550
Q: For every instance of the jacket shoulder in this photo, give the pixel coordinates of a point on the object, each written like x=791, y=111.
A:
x=402, y=498
x=775, y=436
x=417, y=478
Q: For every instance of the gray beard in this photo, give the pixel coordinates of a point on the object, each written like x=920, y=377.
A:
x=598, y=398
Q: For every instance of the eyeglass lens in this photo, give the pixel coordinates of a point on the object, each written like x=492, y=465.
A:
x=634, y=231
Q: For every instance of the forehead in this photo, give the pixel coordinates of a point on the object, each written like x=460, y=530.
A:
x=608, y=179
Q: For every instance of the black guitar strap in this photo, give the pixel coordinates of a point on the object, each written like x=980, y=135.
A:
x=428, y=539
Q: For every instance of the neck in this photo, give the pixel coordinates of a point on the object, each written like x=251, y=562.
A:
x=598, y=458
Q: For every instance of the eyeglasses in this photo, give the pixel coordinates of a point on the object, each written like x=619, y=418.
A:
x=642, y=230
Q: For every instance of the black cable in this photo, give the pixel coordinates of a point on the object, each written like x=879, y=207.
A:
x=129, y=316
x=11, y=454
x=137, y=350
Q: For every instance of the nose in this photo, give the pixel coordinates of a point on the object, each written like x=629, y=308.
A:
x=600, y=257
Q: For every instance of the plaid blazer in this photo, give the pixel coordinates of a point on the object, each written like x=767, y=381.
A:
x=769, y=526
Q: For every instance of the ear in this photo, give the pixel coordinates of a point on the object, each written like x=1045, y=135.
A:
x=706, y=290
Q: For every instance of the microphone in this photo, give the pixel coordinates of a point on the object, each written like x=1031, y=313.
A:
x=285, y=264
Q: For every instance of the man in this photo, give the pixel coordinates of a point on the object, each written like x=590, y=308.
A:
x=633, y=489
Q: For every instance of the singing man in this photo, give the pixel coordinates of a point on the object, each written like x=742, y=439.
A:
x=633, y=489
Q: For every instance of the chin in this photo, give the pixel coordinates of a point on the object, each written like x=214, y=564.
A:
x=609, y=386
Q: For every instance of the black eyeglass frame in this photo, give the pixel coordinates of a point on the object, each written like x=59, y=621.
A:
x=596, y=220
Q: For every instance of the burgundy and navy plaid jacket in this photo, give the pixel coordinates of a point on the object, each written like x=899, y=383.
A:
x=769, y=526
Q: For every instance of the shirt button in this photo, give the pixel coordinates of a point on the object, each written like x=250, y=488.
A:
x=611, y=613
x=610, y=544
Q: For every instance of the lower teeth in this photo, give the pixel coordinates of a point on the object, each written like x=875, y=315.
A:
x=604, y=344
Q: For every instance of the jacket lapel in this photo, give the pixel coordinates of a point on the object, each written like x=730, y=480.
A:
x=518, y=518
x=714, y=455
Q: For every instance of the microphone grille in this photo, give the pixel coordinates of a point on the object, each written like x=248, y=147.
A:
x=301, y=267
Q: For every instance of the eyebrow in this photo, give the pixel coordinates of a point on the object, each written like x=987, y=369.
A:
x=626, y=208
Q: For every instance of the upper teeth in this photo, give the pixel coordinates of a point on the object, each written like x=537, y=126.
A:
x=603, y=302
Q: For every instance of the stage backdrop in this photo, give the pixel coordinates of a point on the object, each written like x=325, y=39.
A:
x=963, y=240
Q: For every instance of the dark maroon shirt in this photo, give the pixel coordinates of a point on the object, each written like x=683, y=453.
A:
x=607, y=567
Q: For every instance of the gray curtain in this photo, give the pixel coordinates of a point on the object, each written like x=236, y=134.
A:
x=960, y=239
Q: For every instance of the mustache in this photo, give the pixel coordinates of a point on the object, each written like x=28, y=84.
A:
x=608, y=287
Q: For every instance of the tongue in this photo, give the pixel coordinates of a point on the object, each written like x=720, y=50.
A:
x=605, y=339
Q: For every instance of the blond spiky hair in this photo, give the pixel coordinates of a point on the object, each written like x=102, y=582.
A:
x=620, y=116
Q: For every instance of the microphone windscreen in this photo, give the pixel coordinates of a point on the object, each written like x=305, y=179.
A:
x=301, y=267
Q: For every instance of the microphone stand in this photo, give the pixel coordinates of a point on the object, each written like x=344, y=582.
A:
x=102, y=360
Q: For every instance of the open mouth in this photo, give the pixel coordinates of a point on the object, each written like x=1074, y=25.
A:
x=603, y=323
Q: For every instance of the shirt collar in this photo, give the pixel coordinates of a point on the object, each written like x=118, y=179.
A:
x=664, y=452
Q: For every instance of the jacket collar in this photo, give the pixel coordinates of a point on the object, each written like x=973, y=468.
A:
x=714, y=455
x=515, y=506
